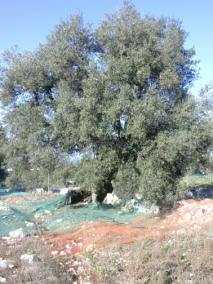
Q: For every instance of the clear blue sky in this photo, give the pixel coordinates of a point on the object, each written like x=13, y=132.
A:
x=28, y=22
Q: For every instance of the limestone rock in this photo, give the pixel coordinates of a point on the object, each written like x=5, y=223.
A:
x=111, y=198
x=30, y=258
x=3, y=263
x=17, y=234
x=3, y=280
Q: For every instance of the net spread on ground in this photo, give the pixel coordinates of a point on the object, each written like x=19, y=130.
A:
x=71, y=229
x=50, y=214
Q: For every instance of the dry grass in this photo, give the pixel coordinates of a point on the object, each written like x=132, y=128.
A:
x=186, y=260
x=180, y=260
x=43, y=270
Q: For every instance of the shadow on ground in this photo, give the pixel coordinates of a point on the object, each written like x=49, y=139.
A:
x=200, y=192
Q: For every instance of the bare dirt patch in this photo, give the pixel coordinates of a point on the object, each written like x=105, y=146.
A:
x=24, y=198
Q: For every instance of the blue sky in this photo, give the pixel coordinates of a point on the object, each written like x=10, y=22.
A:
x=28, y=22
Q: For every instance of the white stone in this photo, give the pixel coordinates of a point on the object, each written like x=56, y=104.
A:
x=64, y=191
x=90, y=247
x=19, y=233
x=38, y=215
x=30, y=258
x=80, y=270
x=3, y=280
x=6, y=238
x=76, y=263
x=3, y=263
x=111, y=198
x=39, y=190
x=29, y=224
x=187, y=217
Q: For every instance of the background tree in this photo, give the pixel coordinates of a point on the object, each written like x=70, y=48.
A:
x=30, y=84
x=3, y=142
x=205, y=102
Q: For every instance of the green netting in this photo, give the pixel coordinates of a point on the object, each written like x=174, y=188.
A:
x=22, y=215
x=3, y=189
x=51, y=214
x=198, y=176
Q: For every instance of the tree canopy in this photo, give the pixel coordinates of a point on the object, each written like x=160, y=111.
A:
x=118, y=95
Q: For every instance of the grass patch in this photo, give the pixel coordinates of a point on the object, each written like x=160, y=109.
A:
x=185, y=183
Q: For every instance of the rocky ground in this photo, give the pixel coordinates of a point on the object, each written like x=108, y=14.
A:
x=184, y=260
x=174, y=248
x=26, y=260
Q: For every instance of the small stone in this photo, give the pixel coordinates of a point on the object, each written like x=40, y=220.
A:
x=2, y=280
x=187, y=217
x=30, y=258
x=29, y=224
x=90, y=247
x=71, y=270
x=75, y=263
x=80, y=270
x=19, y=233
x=3, y=263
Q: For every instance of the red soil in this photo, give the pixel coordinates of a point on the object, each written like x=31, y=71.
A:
x=189, y=218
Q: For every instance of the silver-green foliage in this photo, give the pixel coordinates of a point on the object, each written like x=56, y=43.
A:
x=118, y=95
